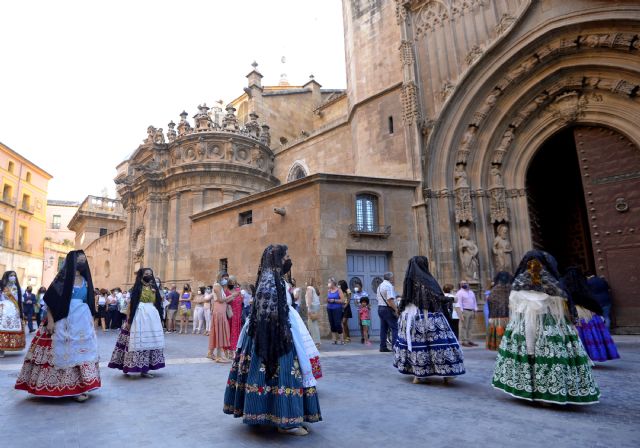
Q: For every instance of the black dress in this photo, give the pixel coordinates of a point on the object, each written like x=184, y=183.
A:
x=346, y=311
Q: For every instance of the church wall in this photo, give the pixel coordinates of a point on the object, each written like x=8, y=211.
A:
x=329, y=152
x=370, y=29
x=331, y=113
x=287, y=115
x=319, y=210
x=377, y=151
x=107, y=258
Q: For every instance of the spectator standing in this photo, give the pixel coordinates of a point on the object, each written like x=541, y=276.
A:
x=359, y=293
x=247, y=300
x=387, y=311
x=232, y=291
x=174, y=301
x=498, y=302
x=335, y=303
x=456, y=311
x=112, y=310
x=466, y=298
x=312, y=300
x=364, y=314
x=101, y=307
x=208, y=297
x=602, y=294
x=198, y=312
x=40, y=307
x=347, y=313
x=184, y=312
x=28, y=307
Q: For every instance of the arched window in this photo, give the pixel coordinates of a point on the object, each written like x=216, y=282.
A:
x=296, y=172
x=366, y=213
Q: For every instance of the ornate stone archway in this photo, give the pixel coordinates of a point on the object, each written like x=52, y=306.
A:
x=496, y=119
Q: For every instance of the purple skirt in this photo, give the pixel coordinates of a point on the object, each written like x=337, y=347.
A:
x=134, y=362
x=597, y=340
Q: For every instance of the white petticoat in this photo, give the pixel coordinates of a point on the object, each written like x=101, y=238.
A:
x=146, y=331
x=74, y=340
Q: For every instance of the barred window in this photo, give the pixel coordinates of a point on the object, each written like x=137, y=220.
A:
x=366, y=212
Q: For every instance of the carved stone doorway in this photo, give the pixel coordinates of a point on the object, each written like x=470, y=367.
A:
x=557, y=209
x=583, y=188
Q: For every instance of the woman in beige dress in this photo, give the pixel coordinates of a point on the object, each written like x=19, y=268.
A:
x=219, y=336
x=313, y=312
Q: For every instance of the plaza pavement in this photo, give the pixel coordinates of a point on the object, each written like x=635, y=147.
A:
x=364, y=401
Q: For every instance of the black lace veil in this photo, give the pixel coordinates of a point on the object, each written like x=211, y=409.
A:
x=269, y=319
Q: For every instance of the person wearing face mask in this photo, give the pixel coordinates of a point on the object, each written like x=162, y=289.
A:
x=40, y=307
x=62, y=360
x=219, y=337
x=184, y=312
x=335, y=301
x=232, y=291
x=198, y=311
x=208, y=297
x=12, y=335
x=140, y=344
x=359, y=293
x=466, y=299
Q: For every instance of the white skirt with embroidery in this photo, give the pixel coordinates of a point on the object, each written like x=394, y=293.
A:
x=74, y=340
x=146, y=331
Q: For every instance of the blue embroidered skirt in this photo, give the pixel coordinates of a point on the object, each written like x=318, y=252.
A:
x=434, y=348
x=281, y=401
x=597, y=340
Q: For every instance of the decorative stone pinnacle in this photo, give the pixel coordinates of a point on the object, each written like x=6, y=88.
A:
x=254, y=64
x=184, y=115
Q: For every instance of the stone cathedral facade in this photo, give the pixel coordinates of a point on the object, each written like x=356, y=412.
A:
x=470, y=131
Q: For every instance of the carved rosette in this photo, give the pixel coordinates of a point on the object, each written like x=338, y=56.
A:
x=409, y=99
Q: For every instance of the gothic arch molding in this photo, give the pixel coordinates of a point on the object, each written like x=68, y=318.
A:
x=298, y=170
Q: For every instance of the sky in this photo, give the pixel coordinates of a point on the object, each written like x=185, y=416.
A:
x=81, y=81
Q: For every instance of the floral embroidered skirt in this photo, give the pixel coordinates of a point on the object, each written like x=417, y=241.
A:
x=597, y=340
x=281, y=401
x=495, y=331
x=558, y=371
x=39, y=376
x=434, y=348
x=134, y=361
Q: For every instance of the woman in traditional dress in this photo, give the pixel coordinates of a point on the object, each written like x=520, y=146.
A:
x=426, y=344
x=62, y=360
x=12, y=335
x=589, y=322
x=541, y=357
x=498, y=302
x=140, y=344
x=271, y=380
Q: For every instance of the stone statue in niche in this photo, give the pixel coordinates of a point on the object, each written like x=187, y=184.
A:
x=496, y=177
x=465, y=145
x=468, y=251
x=502, y=249
x=231, y=153
x=460, y=177
x=489, y=103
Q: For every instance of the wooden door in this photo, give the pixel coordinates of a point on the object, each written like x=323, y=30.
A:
x=610, y=168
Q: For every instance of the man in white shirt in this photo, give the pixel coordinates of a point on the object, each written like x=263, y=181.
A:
x=387, y=311
x=466, y=299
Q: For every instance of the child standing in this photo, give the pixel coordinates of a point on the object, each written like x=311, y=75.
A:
x=365, y=318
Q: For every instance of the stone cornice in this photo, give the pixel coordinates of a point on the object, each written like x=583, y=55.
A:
x=319, y=178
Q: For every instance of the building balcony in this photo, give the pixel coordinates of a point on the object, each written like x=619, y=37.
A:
x=6, y=243
x=27, y=208
x=23, y=247
x=359, y=230
x=7, y=200
x=97, y=204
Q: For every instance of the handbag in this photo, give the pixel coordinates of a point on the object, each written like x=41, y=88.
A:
x=229, y=312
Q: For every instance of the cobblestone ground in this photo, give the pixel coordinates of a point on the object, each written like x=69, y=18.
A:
x=364, y=401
